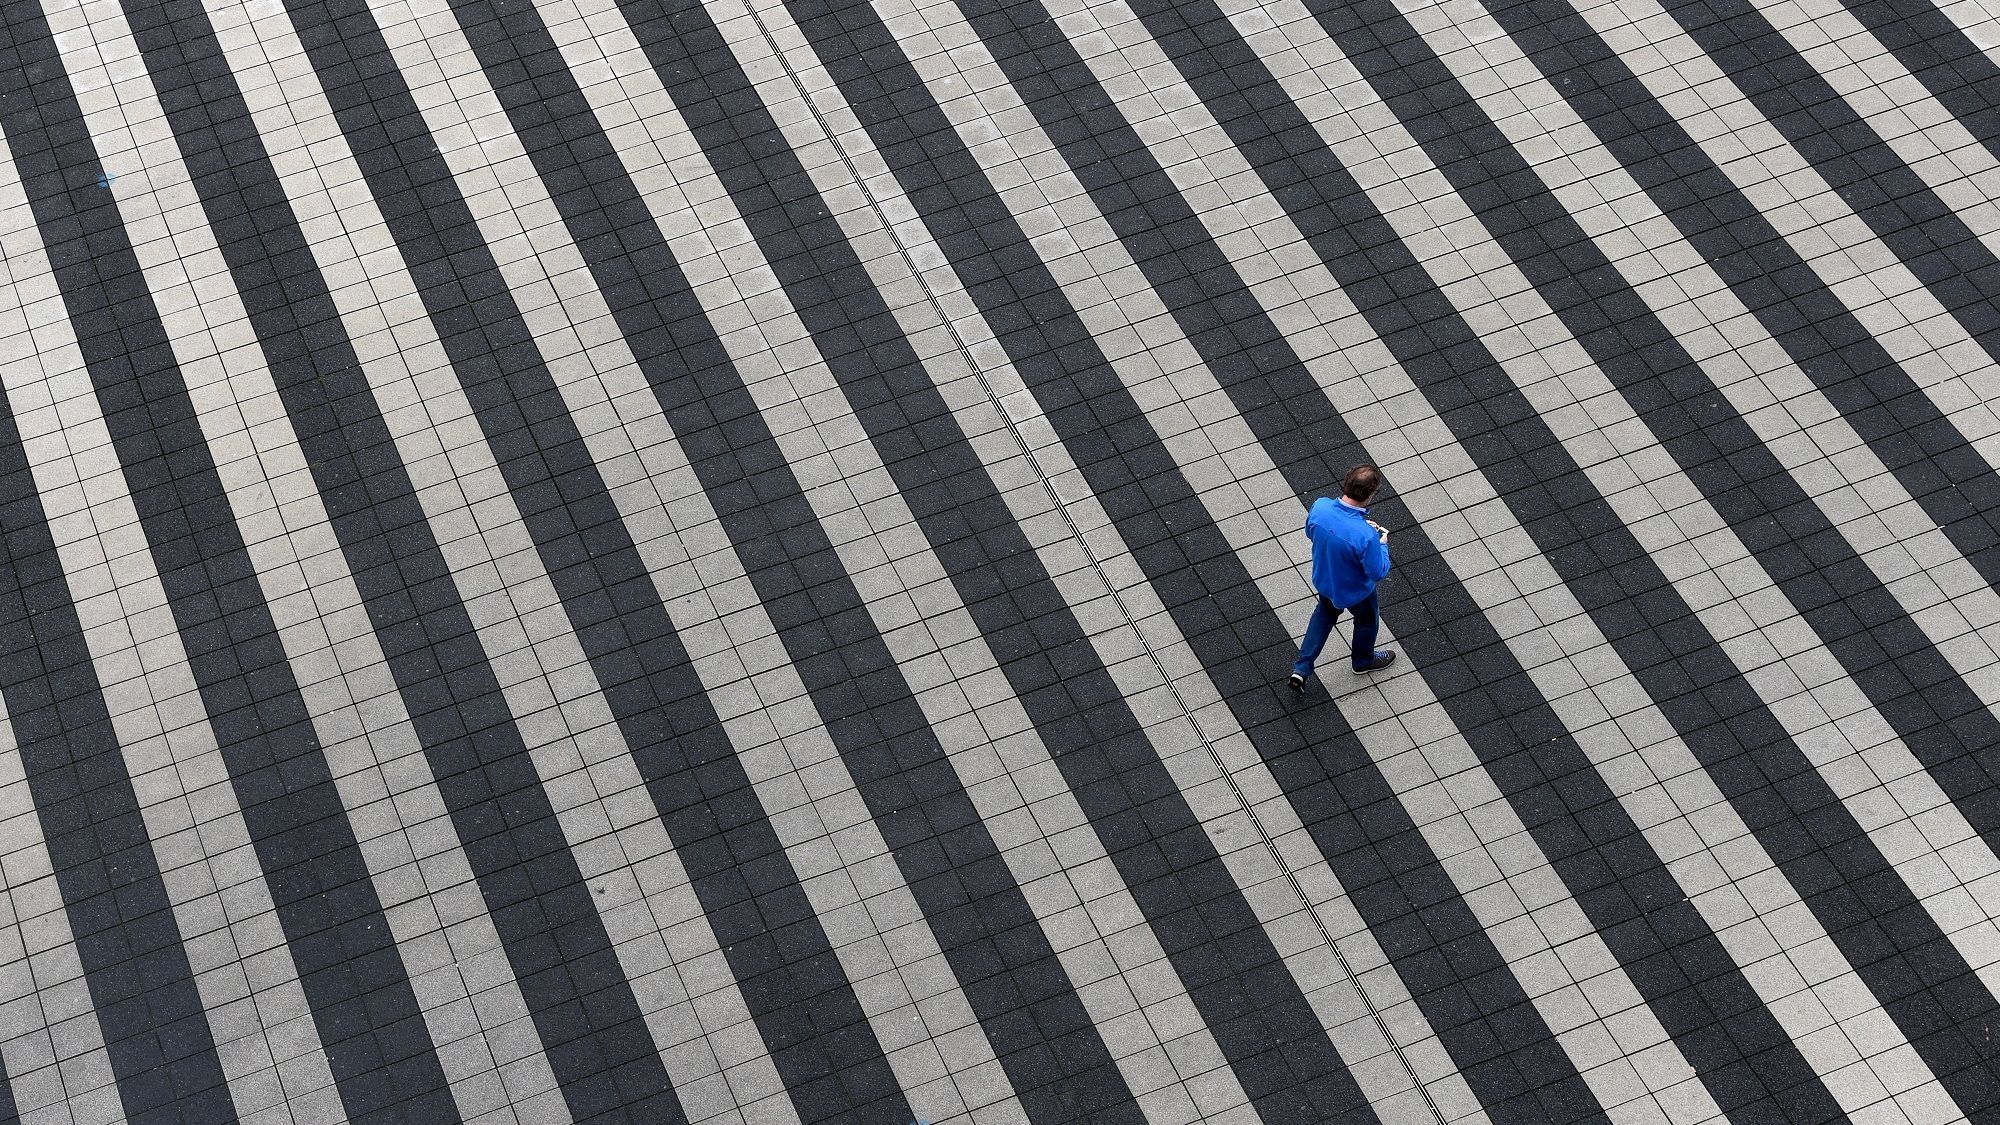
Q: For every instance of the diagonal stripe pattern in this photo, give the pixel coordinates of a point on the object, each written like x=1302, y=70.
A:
x=727, y=561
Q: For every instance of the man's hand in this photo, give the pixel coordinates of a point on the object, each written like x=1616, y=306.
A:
x=1380, y=530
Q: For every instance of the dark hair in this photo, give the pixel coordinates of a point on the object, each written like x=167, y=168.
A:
x=1360, y=483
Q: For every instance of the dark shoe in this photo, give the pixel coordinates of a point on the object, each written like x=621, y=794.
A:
x=1297, y=683
x=1383, y=658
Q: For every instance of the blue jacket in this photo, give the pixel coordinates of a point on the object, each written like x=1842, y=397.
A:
x=1348, y=556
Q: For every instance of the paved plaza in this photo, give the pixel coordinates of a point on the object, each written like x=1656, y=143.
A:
x=734, y=562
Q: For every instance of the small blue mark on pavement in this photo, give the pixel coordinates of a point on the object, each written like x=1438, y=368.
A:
x=104, y=179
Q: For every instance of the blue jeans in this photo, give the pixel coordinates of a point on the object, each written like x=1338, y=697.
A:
x=1366, y=626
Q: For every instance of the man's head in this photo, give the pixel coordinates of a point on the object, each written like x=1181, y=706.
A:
x=1361, y=484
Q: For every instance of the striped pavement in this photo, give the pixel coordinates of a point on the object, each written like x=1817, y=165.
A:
x=733, y=561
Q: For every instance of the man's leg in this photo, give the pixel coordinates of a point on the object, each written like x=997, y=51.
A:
x=1367, y=625
x=1317, y=630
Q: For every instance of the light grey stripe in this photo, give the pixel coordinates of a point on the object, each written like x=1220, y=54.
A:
x=57, y=1067
x=206, y=861
x=49, y=1034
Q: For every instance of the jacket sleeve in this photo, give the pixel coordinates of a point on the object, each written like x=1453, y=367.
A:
x=1375, y=560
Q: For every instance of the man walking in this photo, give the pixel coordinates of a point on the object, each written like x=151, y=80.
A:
x=1350, y=554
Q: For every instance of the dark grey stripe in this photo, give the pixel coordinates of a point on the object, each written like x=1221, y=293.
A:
x=9, y=1114
x=155, y=1034
x=1504, y=1049
x=1040, y=1031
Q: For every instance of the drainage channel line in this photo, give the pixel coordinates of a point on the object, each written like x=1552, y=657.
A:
x=1096, y=565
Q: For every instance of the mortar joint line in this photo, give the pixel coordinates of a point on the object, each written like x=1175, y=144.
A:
x=1096, y=565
